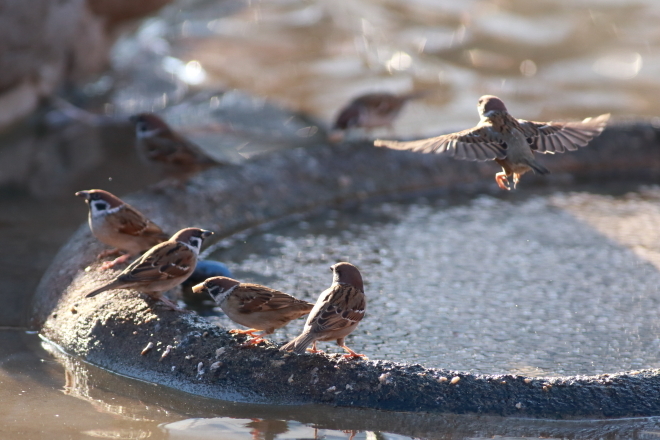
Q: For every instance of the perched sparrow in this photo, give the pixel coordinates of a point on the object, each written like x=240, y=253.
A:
x=162, y=268
x=509, y=142
x=253, y=305
x=337, y=312
x=172, y=154
x=119, y=225
x=373, y=110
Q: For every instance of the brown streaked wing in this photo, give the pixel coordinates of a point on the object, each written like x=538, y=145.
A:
x=131, y=222
x=165, y=261
x=344, y=307
x=557, y=137
x=256, y=298
x=476, y=144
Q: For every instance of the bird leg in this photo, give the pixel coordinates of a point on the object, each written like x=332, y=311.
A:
x=313, y=349
x=516, y=178
x=170, y=304
x=351, y=353
x=116, y=261
x=502, y=180
x=109, y=252
x=245, y=332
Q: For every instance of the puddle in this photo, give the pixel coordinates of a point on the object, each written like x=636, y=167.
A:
x=489, y=286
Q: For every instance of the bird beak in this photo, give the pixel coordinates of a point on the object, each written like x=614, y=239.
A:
x=198, y=288
x=83, y=194
x=206, y=233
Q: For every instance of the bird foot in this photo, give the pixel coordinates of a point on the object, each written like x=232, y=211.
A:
x=502, y=181
x=252, y=342
x=244, y=332
x=119, y=260
x=351, y=353
x=170, y=305
x=108, y=253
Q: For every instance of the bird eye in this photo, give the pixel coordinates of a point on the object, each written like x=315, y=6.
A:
x=100, y=206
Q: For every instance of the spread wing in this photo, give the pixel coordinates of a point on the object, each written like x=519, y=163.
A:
x=342, y=306
x=557, y=137
x=131, y=222
x=163, y=262
x=478, y=143
x=255, y=298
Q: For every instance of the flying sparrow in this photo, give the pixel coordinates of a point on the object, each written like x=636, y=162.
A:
x=337, y=312
x=509, y=142
x=255, y=306
x=172, y=154
x=373, y=110
x=162, y=267
x=119, y=225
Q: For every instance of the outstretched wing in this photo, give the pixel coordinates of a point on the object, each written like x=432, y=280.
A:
x=557, y=137
x=478, y=143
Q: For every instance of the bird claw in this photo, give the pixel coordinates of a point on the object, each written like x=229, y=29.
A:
x=249, y=332
x=119, y=260
x=502, y=181
x=252, y=342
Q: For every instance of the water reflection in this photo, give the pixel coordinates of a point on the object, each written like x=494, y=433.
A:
x=100, y=404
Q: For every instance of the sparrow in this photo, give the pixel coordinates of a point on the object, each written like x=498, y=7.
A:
x=253, y=305
x=168, y=151
x=508, y=141
x=373, y=110
x=337, y=312
x=162, y=267
x=117, y=224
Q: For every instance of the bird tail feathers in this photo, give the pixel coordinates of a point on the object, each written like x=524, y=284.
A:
x=538, y=168
x=100, y=290
x=299, y=344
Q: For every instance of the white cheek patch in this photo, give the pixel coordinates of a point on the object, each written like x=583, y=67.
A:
x=142, y=134
x=102, y=212
x=193, y=246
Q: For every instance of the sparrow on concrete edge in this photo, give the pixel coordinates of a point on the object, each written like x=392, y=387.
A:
x=255, y=306
x=373, y=110
x=162, y=267
x=508, y=141
x=117, y=224
x=167, y=151
x=337, y=312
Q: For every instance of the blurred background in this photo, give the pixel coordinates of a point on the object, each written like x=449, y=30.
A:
x=71, y=72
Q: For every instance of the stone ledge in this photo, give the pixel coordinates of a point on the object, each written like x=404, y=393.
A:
x=112, y=329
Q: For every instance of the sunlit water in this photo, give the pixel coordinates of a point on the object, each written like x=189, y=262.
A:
x=472, y=286
x=491, y=286
x=546, y=59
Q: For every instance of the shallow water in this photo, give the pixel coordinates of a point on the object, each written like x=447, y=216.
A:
x=490, y=286
x=49, y=395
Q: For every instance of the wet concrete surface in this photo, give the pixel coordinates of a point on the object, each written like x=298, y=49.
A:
x=495, y=285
